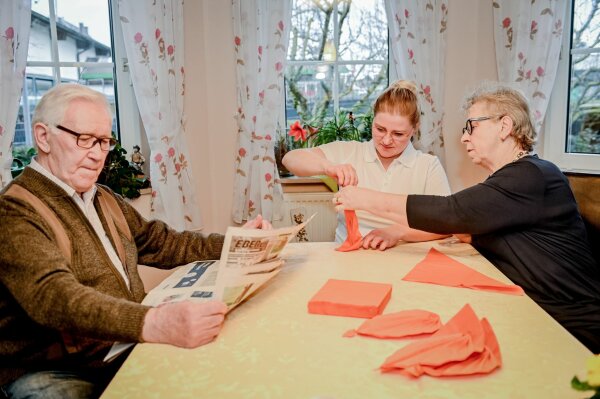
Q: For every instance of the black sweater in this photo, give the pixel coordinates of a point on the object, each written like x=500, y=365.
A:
x=524, y=219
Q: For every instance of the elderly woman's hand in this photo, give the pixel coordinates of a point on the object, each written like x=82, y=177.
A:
x=352, y=197
x=258, y=223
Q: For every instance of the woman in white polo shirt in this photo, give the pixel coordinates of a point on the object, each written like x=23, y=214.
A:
x=387, y=163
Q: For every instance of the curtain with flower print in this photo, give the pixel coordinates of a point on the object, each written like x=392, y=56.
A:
x=15, y=23
x=528, y=37
x=261, y=31
x=153, y=33
x=418, y=53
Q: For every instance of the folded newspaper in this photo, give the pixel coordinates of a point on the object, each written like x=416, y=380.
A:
x=250, y=258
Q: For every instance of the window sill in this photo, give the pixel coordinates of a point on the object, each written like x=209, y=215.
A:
x=296, y=184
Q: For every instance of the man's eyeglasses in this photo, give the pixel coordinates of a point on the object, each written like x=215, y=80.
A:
x=469, y=126
x=88, y=141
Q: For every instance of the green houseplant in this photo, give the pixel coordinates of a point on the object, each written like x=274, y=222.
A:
x=341, y=127
x=122, y=177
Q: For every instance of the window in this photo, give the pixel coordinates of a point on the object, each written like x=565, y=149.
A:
x=573, y=127
x=71, y=41
x=337, y=58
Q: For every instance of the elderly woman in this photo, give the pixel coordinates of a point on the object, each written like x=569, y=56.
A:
x=523, y=218
x=387, y=163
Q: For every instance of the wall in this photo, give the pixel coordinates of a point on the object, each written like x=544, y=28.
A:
x=210, y=101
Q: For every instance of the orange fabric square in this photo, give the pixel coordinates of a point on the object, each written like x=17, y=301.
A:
x=350, y=298
x=465, y=345
x=354, y=238
x=400, y=324
x=438, y=268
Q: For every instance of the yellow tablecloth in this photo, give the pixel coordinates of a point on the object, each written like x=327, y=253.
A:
x=271, y=347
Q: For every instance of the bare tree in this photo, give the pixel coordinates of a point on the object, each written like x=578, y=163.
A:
x=362, y=35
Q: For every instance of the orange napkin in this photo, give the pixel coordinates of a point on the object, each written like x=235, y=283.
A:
x=354, y=238
x=399, y=324
x=438, y=268
x=464, y=346
x=350, y=298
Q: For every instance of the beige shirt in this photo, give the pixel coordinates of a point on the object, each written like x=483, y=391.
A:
x=86, y=204
x=413, y=172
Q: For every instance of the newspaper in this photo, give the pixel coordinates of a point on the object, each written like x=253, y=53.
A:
x=250, y=258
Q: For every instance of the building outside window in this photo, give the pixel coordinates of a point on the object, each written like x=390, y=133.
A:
x=337, y=58
x=78, y=42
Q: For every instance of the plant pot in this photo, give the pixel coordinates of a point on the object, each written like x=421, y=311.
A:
x=280, y=151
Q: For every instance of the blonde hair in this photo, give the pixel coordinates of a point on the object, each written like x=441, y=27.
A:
x=505, y=100
x=400, y=98
x=54, y=103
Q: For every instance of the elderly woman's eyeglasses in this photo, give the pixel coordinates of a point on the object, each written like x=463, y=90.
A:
x=469, y=126
x=88, y=141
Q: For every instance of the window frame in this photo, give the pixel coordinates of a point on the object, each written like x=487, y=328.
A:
x=126, y=112
x=336, y=65
x=557, y=116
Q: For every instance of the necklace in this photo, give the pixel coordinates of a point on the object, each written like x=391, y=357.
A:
x=520, y=155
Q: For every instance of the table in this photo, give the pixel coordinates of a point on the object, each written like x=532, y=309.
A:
x=271, y=347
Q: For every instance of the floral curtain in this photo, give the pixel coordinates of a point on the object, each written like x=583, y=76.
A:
x=528, y=37
x=418, y=53
x=15, y=23
x=153, y=33
x=261, y=31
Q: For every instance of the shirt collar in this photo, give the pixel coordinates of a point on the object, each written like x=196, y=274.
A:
x=88, y=196
x=407, y=158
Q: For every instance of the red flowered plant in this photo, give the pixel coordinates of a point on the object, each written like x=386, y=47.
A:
x=297, y=132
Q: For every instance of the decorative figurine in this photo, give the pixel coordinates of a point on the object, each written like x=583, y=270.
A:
x=137, y=158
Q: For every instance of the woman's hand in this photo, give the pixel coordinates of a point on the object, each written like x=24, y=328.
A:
x=464, y=237
x=384, y=238
x=258, y=223
x=352, y=197
x=344, y=173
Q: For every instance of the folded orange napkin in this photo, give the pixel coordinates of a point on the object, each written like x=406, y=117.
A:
x=465, y=345
x=438, y=268
x=399, y=324
x=350, y=298
x=354, y=238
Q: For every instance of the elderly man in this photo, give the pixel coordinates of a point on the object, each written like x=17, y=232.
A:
x=61, y=314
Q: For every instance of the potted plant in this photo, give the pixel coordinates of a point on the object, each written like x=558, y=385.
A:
x=121, y=176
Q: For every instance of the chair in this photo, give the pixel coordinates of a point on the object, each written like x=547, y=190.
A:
x=586, y=189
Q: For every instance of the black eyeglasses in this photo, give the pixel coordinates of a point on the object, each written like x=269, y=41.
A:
x=469, y=126
x=88, y=141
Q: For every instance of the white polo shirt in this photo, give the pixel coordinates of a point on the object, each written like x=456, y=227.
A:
x=413, y=172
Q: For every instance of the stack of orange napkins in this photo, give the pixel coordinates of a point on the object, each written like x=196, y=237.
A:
x=350, y=298
x=464, y=346
x=438, y=268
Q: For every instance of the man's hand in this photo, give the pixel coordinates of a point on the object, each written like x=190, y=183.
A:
x=258, y=223
x=384, y=238
x=344, y=173
x=184, y=324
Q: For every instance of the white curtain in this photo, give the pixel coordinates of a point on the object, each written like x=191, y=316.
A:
x=15, y=23
x=261, y=31
x=153, y=33
x=418, y=53
x=528, y=37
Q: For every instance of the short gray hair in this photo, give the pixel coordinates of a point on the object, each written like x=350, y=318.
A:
x=506, y=100
x=54, y=103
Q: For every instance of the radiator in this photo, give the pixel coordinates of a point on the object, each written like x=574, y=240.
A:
x=297, y=207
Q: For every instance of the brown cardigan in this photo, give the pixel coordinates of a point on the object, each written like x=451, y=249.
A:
x=59, y=315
